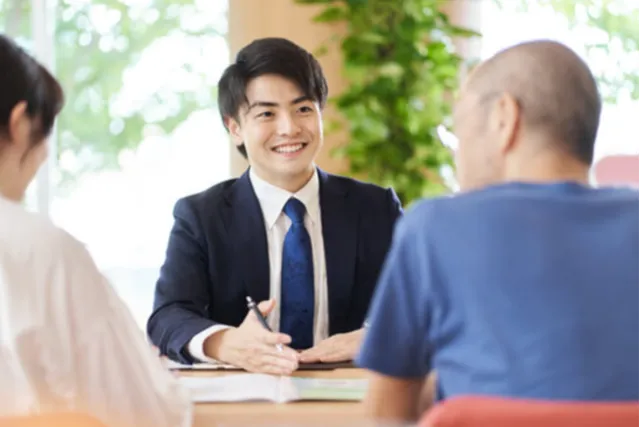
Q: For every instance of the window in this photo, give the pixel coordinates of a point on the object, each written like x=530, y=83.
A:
x=140, y=127
x=607, y=45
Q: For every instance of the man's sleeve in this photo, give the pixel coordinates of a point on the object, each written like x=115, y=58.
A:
x=182, y=293
x=196, y=344
x=396, y=339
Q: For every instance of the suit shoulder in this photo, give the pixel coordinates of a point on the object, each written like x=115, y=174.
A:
x=362, y=188
x=209, y=199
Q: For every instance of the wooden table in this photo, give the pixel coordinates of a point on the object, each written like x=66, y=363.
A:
x=279, y=414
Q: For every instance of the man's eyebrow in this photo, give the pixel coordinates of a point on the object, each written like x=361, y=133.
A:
x=298, y=100
x=262, y=104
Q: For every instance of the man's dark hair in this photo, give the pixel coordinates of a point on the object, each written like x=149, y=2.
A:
x=555, y=89
x=269, y=56
x=22, y=78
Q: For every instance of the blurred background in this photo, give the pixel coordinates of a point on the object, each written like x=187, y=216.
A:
x=141, y=129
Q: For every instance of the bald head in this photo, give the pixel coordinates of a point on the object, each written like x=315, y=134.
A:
x=554, y=89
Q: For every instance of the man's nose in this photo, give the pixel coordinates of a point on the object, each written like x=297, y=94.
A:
x=288, y=125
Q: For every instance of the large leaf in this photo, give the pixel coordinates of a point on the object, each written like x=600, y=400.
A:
x=330, y=14
x=400, y=65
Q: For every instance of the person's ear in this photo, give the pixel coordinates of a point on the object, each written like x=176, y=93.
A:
x=504, y=121
x=234, y=130
x=19, y=128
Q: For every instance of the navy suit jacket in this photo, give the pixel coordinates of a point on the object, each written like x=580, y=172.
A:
x=217, y=255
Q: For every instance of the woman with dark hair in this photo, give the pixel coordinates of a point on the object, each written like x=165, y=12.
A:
x=67, y=342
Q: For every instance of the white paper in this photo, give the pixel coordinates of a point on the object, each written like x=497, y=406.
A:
x=232, y=388
x=261, y=387
x=329, y=389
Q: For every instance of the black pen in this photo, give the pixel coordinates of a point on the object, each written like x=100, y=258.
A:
x=253, y=307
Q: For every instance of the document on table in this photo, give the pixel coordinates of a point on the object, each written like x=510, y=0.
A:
x=225, y=367
x=261, y=387
x=201, y=366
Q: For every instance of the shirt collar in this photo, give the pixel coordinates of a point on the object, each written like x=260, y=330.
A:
x=272, y=199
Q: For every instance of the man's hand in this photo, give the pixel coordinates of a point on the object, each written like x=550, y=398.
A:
x=338, y=348
x=253, y=348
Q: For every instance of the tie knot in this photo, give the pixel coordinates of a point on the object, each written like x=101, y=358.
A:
x=295, y=210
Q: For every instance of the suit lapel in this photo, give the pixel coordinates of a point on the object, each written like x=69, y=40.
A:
x=250, y=252
x=339, y=231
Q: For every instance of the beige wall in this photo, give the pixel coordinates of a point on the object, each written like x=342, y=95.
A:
x=468, y=14
x=252, y=19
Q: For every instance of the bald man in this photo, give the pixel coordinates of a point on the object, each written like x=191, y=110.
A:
x=526, y=283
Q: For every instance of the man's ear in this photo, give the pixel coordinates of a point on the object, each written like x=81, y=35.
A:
x=504, y=121
x=234, y=130
x=19, y=128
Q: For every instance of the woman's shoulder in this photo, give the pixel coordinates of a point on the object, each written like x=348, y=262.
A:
x=33, y=233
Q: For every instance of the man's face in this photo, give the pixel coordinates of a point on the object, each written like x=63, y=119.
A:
x=483, y=140
x=281, y=129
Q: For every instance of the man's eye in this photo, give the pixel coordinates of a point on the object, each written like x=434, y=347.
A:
x=306, y=109
x=265, y=114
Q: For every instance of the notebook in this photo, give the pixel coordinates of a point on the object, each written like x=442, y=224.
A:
x=261, y=387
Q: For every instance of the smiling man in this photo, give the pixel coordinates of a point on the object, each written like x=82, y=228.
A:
x=307, y=244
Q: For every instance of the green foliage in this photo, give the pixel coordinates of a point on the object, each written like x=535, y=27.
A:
x=15, y=18
x=401, y=69
x=616, y=22
x=97, y=43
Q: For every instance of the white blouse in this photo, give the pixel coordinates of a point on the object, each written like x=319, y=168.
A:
x=67, y=341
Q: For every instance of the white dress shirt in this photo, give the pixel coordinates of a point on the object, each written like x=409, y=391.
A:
x=272, y=200
x=67, y=341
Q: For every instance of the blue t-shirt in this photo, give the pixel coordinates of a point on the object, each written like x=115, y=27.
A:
x=519, y=290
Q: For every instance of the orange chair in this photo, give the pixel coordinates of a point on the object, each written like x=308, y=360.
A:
x=617, y=170
x=476, y=411
x=51, y=420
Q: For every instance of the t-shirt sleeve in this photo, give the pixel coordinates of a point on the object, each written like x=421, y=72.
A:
x=396, y=339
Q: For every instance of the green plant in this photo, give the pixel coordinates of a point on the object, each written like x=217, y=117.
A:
x=401, y=69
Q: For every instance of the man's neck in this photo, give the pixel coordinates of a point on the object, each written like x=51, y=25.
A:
x=292, y=183
x=545, y=169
